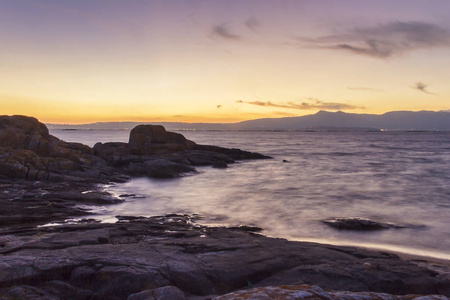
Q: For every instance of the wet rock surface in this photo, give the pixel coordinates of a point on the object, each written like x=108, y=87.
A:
x=30, y=203
x=136, y=256
x=310, y=292
x=365, y=224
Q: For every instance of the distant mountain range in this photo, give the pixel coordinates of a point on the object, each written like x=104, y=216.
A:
x=321, y=121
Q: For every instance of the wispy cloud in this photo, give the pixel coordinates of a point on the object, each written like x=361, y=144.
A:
x=365, y=89
x=252, y=24
x=420, y=86
x=311, y=104
x=222, y=31
x=386, y=40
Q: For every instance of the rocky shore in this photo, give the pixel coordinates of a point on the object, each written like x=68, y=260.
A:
x=44, y=179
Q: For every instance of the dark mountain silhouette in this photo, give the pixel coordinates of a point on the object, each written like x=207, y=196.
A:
x=322, y=120
x=396, y=120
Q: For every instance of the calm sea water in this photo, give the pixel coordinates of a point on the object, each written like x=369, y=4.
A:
x=399, y=177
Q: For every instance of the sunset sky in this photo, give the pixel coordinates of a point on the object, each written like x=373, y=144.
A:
x=80, y=61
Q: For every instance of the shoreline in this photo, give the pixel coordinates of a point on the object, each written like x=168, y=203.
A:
x=395, y=249
x=47, y=180
x=199, y=260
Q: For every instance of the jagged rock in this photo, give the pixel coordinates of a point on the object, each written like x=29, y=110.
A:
x=30, y=152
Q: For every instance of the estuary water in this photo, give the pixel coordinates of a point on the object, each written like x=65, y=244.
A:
x=395, y=177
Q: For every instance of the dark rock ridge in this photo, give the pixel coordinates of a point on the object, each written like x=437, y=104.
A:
x=314, y=292
x=28, y=151
x=364, y=224
x=44, y=179
x=138, y=256
x=29, y=203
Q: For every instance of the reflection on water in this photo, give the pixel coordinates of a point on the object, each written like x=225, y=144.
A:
x=389, y=177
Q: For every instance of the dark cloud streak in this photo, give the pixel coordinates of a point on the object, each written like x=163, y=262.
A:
x=313, y=104
x=420, y=86
x=386, y=40
x=223, y=32
x=252, y=24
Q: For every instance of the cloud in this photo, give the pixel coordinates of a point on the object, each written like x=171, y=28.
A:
x=252, y=24
x=386, y=40
x=312, y=104
x=223, y=32
x=365, y=89
x=420, y=86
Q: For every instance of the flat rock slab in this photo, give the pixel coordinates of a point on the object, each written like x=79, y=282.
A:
x=365, y=224
x=313, y=292
x=114, y=261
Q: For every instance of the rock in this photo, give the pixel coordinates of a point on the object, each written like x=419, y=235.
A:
x=20, y=132
x=169, y=293
x=163, y=293
x=220, y=165
x=315, y=292
x=235, y=154
x=159, y=168
x=206, y=158
x=30, y=152
x=145, y=138
x=111, y=151
x=141, y=254
x=360, y=224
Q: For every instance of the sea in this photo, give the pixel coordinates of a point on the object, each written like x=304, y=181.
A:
x=394, y=177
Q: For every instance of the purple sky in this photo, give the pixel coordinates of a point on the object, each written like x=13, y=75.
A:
x=229, y=60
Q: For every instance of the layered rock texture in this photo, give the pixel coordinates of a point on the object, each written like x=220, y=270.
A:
x=28, y=151
x=314, y=292
x=137, y=256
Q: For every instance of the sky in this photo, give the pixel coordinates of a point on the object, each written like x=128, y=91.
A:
x=67, y=61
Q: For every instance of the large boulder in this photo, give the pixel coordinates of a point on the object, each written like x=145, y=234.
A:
x=28, y=151
x=20, y=132
x=146, y=138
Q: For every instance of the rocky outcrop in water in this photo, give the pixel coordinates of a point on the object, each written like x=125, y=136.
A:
x=365, y=224
x=154, y=152
x=140, y=255
x=29, y=152
x=144, y=139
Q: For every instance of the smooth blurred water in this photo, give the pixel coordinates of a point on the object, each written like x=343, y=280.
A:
x=400, y=177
